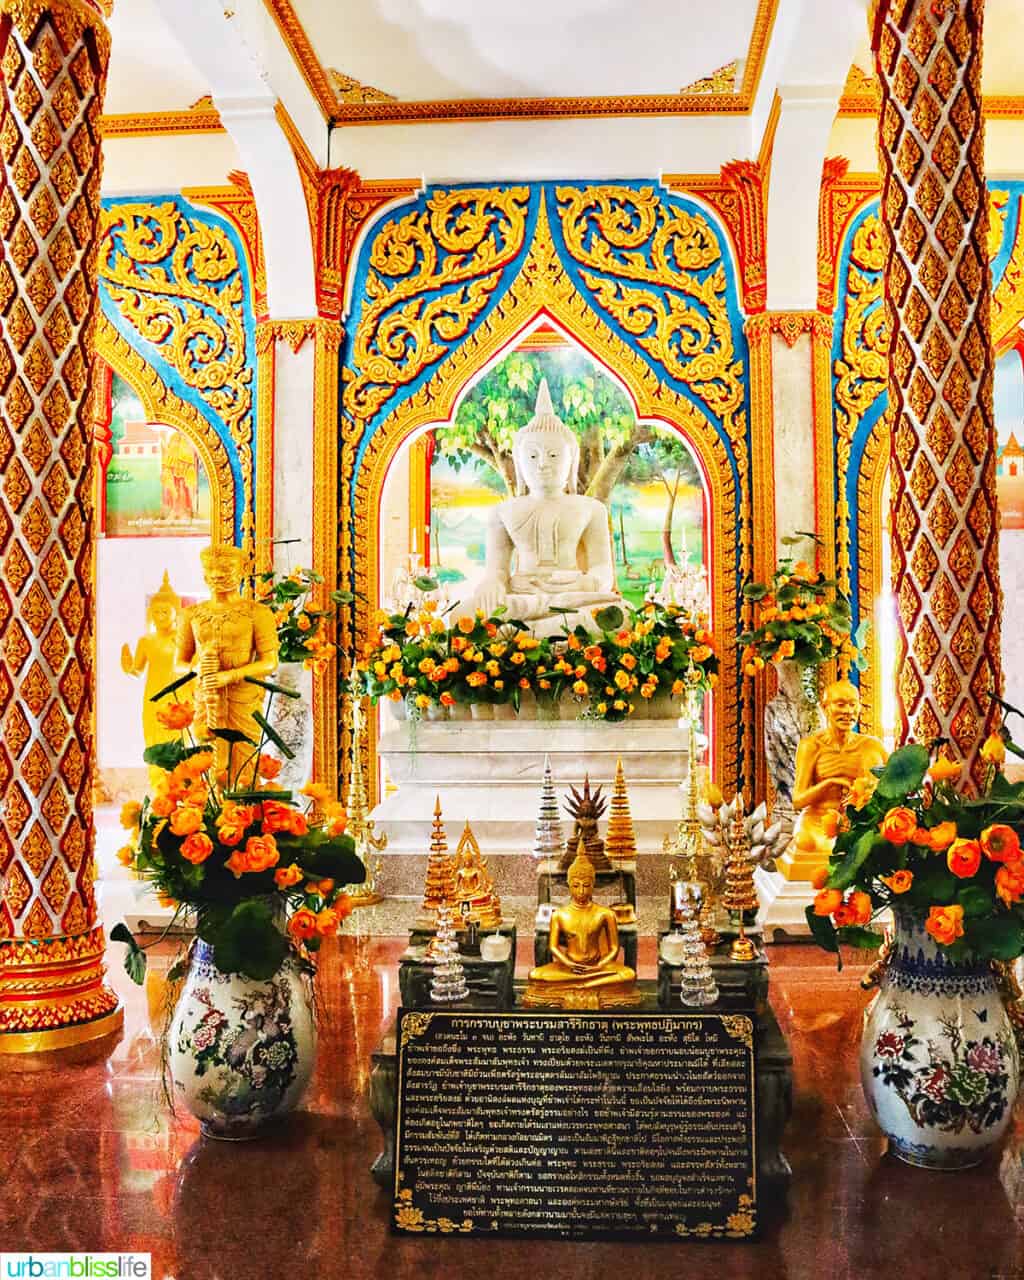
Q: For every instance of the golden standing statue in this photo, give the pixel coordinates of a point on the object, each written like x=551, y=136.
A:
x=827, y=765
x=225, y=639
x=584, y=972
x=156, y=657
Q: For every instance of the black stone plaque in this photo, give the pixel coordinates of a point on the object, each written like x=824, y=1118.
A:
x=576, y=1125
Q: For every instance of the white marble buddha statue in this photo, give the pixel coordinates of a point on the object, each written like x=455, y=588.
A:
x=549, y=547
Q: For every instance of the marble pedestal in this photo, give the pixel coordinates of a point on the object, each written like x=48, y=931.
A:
x=489, y=772
x=783, y=903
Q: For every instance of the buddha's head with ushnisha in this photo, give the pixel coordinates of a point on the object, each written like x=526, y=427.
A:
x=163, y=605
x=546, y=453
x=580, y=876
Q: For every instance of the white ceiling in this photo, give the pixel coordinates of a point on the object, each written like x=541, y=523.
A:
x=424, y=49
x=149, y=69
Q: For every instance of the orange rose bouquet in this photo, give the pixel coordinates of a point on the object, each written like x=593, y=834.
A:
x=303, y=632
x=908, y=838
x=255, y=868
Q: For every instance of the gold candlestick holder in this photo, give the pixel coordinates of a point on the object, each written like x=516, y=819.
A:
x=740, y=891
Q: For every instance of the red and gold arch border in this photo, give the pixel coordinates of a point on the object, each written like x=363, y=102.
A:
x=543, y=287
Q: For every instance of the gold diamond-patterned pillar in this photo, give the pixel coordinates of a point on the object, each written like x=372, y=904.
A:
x=53, y=63
x=944, y=521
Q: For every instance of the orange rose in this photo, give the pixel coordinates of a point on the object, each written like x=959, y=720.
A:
x=299, y=826
x=131, y=813
x=197, y=847
x=197, y=764
x=316, y=791
x=1010, y=882
x=944, y=770
x=447, y=700
x=964, y=858
x=1000, y=843
x=993, y=750
x=942, y=836
x=326, y=923
x=268, y=767
x=302, y=925
x=465, y=625
x=176, y=715
x=230, y=834
x=185, y=820
x=945, y=924
x=827, y=901
x=899, y=881
x=898, y=825
x=862, y=789
x=285, y=877
x=342, y=906
x=161, y=806
x=126, y=855
x=855, y=910
x=830, y=823
x=261, y=852
x=276, y=816
x=819, y=877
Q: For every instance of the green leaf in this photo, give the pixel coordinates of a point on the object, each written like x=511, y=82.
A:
x=854, y=935
x=998, y=938
x=249, y=796
x=904, y=771
x=273, y=688
x=343, y=597
x=165, y=755
x=174, y=686
x=135, y=957
x=233, y=736
x=843, y=876
x=610, y=618
x=273, y=735
x=975, y=901
x=249, y=942
x=823, y=931
x=755, y=591
x=425, y=583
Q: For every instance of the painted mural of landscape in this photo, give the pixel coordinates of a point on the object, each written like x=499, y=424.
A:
x=156, y=484
x=642, y=471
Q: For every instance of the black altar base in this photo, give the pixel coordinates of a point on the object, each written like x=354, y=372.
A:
x=773, y=1070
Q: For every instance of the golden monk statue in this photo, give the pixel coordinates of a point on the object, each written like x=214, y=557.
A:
x=584, y=972
x=827, y=764
x=559, y=539
x=225, y=639
x=156, y=657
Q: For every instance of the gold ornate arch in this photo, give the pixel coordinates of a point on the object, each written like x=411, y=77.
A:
x=544, y=287
x=163, y=405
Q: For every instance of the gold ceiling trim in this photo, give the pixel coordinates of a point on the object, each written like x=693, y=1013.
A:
x=721, y=80
x=147, y=124
x=862, y=97
x=348, y=89
x=434, y=111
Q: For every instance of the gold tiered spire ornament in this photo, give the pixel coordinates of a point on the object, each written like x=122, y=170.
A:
x=439, y=889
x=473, y=886
x=620, y=840
x=740, y=892
x=360, y=825
x=586, y=808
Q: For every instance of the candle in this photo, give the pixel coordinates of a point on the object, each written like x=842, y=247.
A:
x=495, y=947
x=673, y=948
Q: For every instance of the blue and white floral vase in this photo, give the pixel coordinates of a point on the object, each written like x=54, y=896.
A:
x=939, y=1061
x=241, y=1052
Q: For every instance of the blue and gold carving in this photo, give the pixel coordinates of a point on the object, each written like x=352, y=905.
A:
x=174, y=282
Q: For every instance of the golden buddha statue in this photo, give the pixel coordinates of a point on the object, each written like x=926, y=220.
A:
x=827, y=764
x=584, y=972
x=475, y=899
x=227, y=638
x=156, y=657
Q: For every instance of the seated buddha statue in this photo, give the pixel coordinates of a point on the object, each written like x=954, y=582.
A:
x=549, y=547
x=584, y=971
x=828, y=762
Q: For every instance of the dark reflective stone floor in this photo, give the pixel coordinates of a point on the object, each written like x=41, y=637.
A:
x=92, y=1159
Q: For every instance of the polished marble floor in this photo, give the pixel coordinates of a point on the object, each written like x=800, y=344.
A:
x=91, y=1159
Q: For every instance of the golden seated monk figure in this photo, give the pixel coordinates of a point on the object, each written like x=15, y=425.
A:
x=584, y=972
x=827, y=765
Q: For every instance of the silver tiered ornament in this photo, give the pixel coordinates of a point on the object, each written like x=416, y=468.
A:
x=688, y=848
x=548, y=839
x=697, y=986
x=448, y=983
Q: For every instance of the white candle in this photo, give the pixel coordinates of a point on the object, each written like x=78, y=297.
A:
x=673, y=948
x=495, y=947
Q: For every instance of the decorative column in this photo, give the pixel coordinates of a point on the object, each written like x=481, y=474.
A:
x=53, y=63
x=935, y=217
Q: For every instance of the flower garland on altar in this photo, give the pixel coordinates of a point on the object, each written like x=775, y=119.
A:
x=635, y=654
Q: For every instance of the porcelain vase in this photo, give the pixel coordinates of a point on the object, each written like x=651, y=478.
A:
x=292, y=719
x=241, y=1052
x=939, y=1062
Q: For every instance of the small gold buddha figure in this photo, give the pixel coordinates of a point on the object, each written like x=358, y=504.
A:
x=156, y=657
x=225, y=639
x=475, y=899
x=548, y=547
x=584, y=971
x=827, y=764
